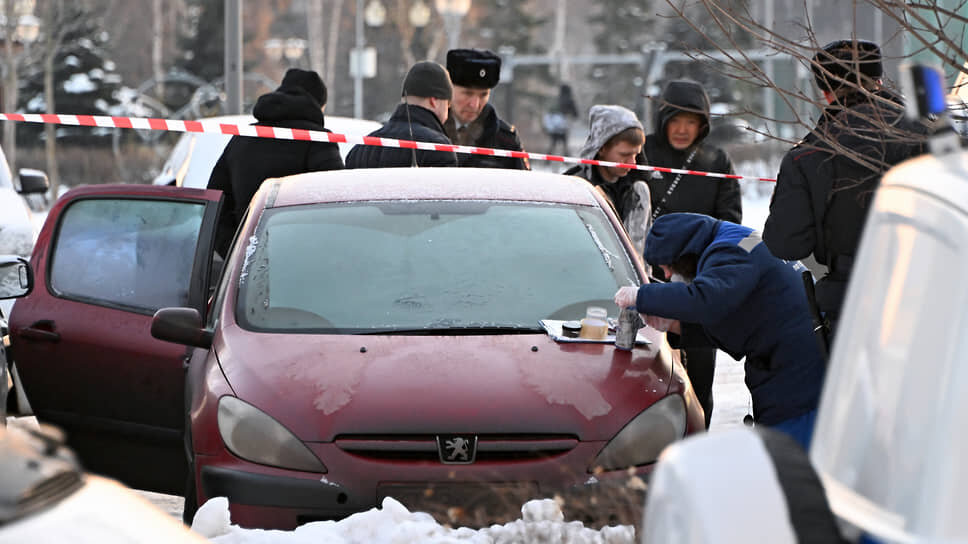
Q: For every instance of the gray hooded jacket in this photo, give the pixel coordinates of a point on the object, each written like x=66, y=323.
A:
x=630, y=198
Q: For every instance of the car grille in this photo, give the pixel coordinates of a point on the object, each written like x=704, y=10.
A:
x=490, y=448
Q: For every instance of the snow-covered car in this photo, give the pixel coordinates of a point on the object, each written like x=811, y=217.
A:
x=17, y=229
x=195, y=154
x=374, y=333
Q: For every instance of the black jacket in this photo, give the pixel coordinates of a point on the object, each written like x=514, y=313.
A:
x=419, y=125
x=247, y=161
x=826, y=183
x=716, y=197
x=488, y=130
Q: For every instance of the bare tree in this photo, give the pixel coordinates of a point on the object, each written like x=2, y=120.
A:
x=60, y=18
x=335, y=15
x=16, y=53
x=723, y=26
x=314, y=35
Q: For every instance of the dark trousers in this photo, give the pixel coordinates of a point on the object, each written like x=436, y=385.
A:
x=701, y=367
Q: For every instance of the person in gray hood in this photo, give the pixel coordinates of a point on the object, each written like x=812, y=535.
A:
x=616, y=135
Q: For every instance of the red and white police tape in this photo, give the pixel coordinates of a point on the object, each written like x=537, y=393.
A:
x=262, y=131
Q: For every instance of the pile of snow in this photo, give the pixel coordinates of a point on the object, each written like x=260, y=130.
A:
x=541, y=522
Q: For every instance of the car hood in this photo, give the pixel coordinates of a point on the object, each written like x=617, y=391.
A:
x=321, y=386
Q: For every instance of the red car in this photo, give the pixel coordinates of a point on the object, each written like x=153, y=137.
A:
x=374, y=333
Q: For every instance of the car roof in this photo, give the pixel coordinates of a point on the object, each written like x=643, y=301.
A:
x=428, y=184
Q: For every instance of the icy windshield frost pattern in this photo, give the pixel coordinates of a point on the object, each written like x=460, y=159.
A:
x=429, y=264
x=129, y=252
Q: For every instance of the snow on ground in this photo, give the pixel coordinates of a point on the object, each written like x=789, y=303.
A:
x=542, y=521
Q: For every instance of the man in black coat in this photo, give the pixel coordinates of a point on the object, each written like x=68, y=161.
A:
x=247, y=161
x=427, y=91
x=681, y=124
x=472, y=120
x=826, y=182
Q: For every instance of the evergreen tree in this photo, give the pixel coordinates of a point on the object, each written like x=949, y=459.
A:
x=86, y=79
x=202, y=40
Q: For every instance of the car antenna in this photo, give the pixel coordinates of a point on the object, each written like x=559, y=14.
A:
x=413, y=151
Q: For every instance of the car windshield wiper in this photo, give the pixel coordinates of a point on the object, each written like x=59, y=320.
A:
x=457, y=331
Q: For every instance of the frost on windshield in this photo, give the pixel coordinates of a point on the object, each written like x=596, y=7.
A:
x=606, y=254
x=256, y=270
x=249, y=250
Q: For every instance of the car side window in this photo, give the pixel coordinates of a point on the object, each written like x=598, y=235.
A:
x=131, y=253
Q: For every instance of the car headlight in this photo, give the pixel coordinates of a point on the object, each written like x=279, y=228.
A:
x=642, y=440
x=254, y=435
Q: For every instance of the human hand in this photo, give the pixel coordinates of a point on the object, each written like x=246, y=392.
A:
x=626, y=296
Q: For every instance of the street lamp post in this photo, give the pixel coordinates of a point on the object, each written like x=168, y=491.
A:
x=363, y=59
x=453, y=11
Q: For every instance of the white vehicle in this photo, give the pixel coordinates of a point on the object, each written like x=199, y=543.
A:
x=194, y=155
x=46, y=497
x=17, y=229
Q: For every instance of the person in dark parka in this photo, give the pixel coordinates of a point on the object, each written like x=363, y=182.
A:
x=427, y=92
x=827, y=182
x=247, y=161
x=728, y=290
x=681, y=124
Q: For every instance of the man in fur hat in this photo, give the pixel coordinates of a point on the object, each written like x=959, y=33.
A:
x=473, y=121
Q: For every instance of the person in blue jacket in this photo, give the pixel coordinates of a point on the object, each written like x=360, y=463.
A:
x=729, y=291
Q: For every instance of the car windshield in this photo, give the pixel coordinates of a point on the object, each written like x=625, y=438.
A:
x=416, y=267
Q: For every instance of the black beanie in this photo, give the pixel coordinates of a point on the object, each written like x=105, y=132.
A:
x=306, y=81
x=428, y=79
x=846, y=62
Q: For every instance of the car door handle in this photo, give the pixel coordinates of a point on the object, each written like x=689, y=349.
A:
x=41, y=330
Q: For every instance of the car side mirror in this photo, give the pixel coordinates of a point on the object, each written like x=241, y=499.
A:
x=33, y=181
x=181, y=326
x=16, y=277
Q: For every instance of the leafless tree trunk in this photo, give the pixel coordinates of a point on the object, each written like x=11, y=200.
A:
x=335, y=15
x=51, y=45
x=314, y=33
x=11, y=62
x=157, y=46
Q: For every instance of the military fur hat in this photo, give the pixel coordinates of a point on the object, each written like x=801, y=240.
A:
x=846, y=62
x=478, y=68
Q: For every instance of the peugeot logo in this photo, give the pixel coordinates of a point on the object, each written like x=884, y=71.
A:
x=457, y=450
